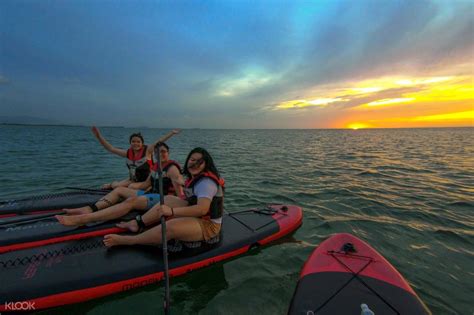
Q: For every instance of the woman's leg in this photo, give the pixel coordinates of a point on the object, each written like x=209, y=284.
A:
x=184, y=229
x=122, y=183
x=115, y=184
x=108, y=200
x=116, y=211
x=151, y=216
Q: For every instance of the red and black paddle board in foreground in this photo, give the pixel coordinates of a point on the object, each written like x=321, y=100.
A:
x=74, y=271
x=345, y=272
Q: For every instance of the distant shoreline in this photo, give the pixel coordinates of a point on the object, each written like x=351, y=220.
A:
x=143, y=127
x=56, y=125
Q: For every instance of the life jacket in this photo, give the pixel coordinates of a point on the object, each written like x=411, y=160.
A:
x=168, y=187
x=138, y=167
x=216, y=209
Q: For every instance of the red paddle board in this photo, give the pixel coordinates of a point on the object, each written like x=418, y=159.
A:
x=345, y=272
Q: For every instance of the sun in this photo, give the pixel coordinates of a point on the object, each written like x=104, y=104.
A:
x=356, y=126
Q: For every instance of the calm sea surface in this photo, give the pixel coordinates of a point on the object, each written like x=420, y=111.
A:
x=407, y=192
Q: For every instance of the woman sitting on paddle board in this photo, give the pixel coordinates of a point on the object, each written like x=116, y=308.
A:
x=197, y=218
x=137, y=157
x=147, y=191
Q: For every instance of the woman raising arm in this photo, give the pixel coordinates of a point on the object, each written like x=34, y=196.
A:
x=197, y=218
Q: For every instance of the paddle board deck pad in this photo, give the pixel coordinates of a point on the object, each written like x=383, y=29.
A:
x=80, y=270
x=27, y=231
x=345, y=272
x=50, y=202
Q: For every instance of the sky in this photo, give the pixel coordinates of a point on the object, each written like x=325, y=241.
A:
x=239, y=64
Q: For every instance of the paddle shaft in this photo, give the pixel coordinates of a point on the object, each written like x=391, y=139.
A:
x=166, y=302
x=91, y=190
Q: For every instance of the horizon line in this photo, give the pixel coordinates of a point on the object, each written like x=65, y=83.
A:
x=191, y=128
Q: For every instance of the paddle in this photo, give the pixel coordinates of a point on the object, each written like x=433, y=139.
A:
x=166, y=302
x=90, y=190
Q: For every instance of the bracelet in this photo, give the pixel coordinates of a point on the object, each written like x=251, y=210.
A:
x=172, y=212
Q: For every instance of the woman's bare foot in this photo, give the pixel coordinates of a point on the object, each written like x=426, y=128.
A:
x=132, y=226
x=115, y=239
x=83, y=210
x=107, y=186
x=71, y=220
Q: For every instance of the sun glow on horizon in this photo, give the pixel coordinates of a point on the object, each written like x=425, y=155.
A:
x=394, y=101
x=464, y=118
x=356, y=126
x=459, y=116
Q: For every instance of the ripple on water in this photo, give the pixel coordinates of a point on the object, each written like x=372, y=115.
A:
x=468, y=205
x=408, y=193
x=458, y=236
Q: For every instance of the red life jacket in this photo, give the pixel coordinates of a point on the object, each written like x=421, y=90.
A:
x=138, y=167
x=168, y=187
x=216, y=209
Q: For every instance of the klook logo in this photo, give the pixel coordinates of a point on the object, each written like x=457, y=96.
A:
x=19, y=306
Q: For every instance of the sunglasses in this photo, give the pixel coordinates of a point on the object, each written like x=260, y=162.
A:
x=196, y=163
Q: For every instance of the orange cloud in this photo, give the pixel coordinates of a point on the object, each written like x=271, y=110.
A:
x=394, y=101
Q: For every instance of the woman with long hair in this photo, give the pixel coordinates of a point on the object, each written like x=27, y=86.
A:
x=196, y=218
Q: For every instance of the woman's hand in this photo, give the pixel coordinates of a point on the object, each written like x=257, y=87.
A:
x=164, y=210
x=107, y=186
x=179, y=180
x=96, y=132
x=106, y=145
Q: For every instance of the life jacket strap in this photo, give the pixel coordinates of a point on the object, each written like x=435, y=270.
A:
x=140, y=223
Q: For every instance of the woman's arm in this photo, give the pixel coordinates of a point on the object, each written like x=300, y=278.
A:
x=151, y=147
x=198, y=210
x=141, y=185
x=106, y=145
x=205, y=191
x=177, y=180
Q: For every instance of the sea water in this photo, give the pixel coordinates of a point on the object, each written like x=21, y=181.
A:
x=407, y=192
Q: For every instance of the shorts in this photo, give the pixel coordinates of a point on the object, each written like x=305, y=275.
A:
x=151, y=199
x=209, y=229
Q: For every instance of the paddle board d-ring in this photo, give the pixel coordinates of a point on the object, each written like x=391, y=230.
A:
x=348, y=248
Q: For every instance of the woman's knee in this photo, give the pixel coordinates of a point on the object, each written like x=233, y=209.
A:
x=120, y=190
x=132, y=200
x=136, y=202
x=170, y=231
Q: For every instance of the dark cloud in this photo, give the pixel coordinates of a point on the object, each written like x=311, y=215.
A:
x=4, y=80
x=165, y=62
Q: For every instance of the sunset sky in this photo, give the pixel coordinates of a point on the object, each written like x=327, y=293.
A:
x=239, y=64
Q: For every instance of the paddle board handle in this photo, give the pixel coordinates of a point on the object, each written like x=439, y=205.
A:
x=365, y=310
